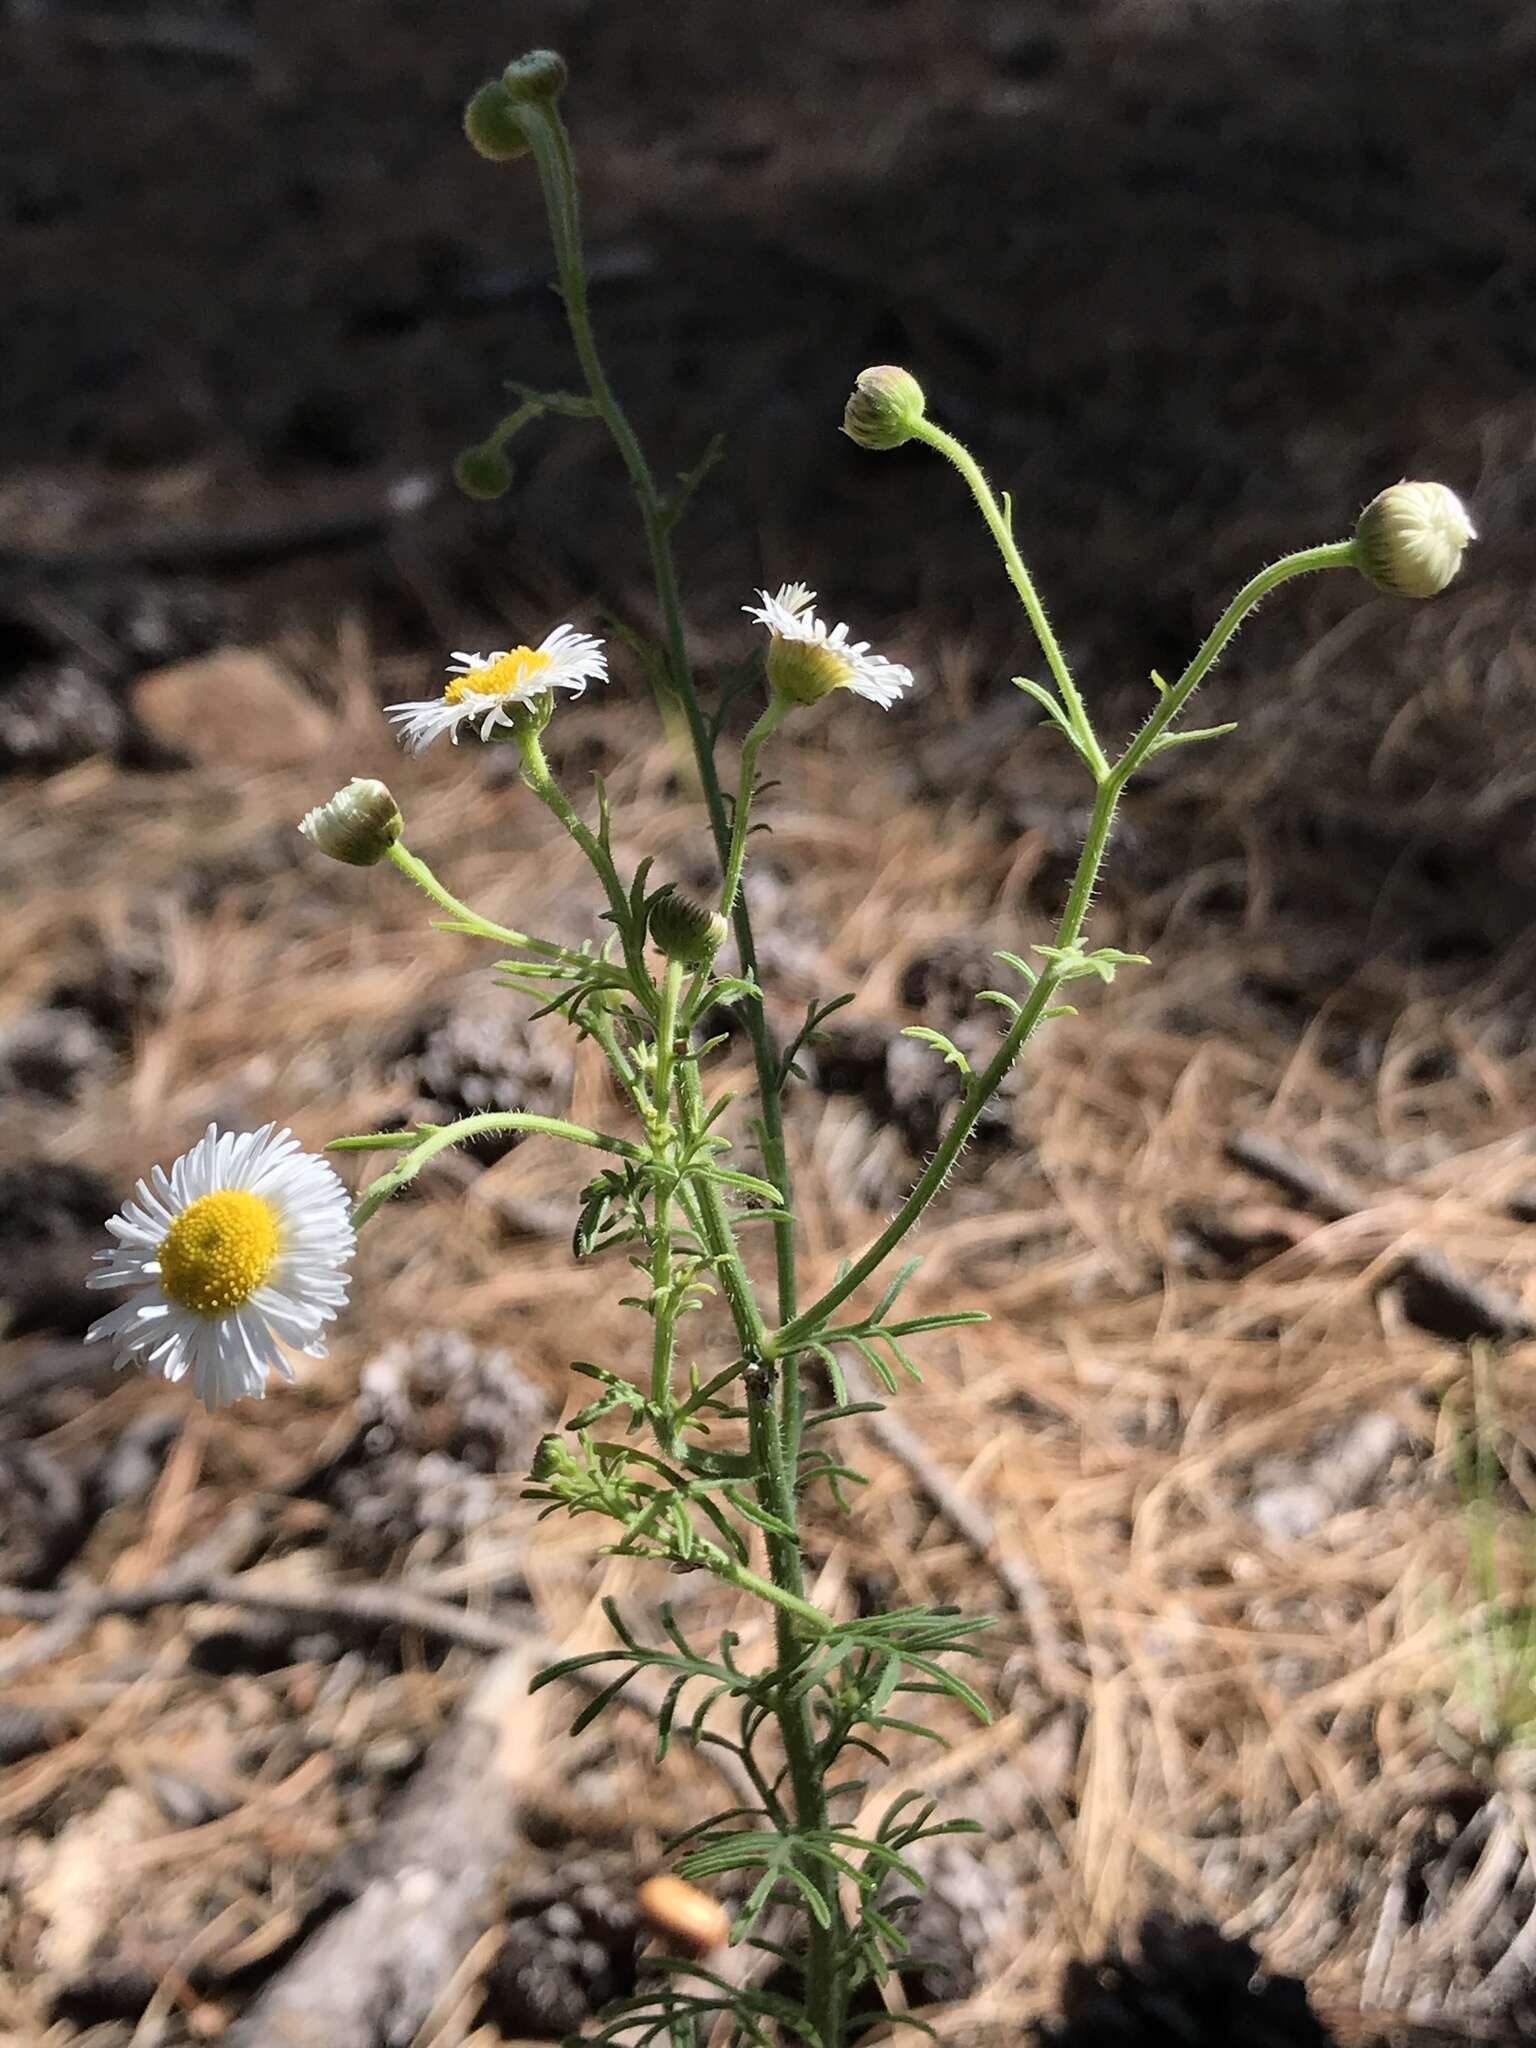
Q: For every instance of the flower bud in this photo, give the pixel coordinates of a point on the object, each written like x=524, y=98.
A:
x=1410, y=539
x=552, y=1459
x=540, y=75
x=483, y=471
x=684, y=930
x=358, y=825
x=885, y=407
x=494, y=125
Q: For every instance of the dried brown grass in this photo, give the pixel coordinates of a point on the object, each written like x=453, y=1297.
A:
x=1220, y=1716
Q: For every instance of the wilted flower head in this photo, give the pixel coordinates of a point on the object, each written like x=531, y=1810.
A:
x=807, y=659
x=502, y=689
x=233, y=1254
x=359, y=824
x=1410, y=539
x=885, y=407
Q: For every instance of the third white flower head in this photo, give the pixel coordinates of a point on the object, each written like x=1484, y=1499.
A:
x=807, y=658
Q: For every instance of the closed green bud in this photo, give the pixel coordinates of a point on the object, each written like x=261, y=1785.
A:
x=494, y=124
x=359, y=824
x=885, y=407
x=684, y=930
x=540, y=75
x=1410, y=539
x=552, y=1459
x=483, y=471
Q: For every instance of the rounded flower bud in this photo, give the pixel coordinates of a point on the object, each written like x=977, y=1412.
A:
x=358, y=825
x=483, y=471
x=540, y=75
x=1410, y=539
x=885, y=407
x=494, y=125
x=685, y=931
x=552, y=1459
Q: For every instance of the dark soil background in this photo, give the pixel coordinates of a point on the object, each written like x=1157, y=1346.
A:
x=1194, y=280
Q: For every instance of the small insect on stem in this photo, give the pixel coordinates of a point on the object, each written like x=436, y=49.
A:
x=759, y=1379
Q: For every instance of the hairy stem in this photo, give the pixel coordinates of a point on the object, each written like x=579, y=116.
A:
x=470, y=921
x=984, y=1086
x=1000, y=526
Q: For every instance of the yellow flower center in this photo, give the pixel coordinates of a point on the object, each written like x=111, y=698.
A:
x=806, y=670
x=499, y=678
x=218, y=1251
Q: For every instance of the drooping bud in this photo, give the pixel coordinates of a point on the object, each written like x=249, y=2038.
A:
x=885, y=407
x=494, y=125
x=684, y=930
x=483, y=471
x=359, y=824
x=1410, y=539
x=540, y=75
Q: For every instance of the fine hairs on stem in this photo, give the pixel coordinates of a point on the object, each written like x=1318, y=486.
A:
x=702, y=1462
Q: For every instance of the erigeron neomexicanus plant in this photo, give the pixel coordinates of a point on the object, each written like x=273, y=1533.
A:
x=697, y=1463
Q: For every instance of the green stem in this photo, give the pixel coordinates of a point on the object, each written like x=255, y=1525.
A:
x=999, y=525
x=416, y=870
x=1335, y=555
x=557, y=177
x=426, y=1149
x=540, y=779
x=666, y=1046
x=746, y=781
x=776, y=1491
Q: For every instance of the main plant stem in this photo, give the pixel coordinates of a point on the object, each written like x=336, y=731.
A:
x=557, y=176
x=774, y=1484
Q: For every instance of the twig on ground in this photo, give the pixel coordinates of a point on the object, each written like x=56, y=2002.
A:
x=1436, y=1294
x=375, y=1972
x=373, y=1606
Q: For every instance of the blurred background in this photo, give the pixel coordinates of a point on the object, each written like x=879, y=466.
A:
x=1195, y=278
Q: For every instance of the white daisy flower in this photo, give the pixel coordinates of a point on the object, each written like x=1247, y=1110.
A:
x=807, y=658
x=484, y=689
x=234, y=1253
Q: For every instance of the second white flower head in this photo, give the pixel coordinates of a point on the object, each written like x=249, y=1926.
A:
x=807, y=658
x=490, y=690
x=234, y=1254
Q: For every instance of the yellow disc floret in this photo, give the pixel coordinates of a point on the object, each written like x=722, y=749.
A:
x=218, y=1251
x=499, y=678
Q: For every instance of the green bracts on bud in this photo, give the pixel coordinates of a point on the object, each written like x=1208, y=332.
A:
x=1410, y=539
x=552, y=1459
x=885, y=407
x=684, y=930
x=358, y=825
x=483, y=471
x=493, y=123
x=538, y=75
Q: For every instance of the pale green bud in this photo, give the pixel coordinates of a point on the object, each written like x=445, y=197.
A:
x=494, y=125
x=685, y=931
x=552, y=1459
x=885, y=407
x=359, y=824
x=1410, y=539
x=483, y=471
x=540, y=75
